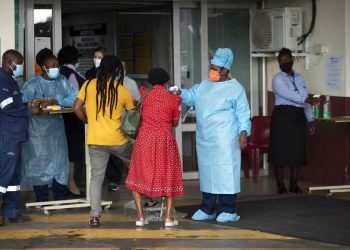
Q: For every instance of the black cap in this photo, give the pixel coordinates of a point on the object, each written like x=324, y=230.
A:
x=157, y=76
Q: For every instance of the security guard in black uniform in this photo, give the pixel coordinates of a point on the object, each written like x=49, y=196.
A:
x=13, y=131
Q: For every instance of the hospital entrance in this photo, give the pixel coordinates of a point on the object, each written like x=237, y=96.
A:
x=180, y=37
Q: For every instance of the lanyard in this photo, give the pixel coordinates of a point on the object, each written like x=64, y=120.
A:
x=295, y=86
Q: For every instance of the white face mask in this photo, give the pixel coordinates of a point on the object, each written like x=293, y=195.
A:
x=77, y=65
x=97, y=62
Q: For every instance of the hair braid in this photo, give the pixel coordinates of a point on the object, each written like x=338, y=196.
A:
x=107, y=93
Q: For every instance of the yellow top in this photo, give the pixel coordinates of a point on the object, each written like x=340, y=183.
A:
x=105, y=130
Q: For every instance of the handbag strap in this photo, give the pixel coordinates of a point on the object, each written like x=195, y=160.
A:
x=139, y=105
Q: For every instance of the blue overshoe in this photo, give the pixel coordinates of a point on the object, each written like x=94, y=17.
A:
x=200, y=215
x=226, y=217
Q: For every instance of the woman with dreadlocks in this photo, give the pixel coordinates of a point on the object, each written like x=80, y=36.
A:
x=105, y=100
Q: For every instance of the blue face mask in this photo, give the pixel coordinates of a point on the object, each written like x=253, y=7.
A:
x=18, y=71
x=53, y=73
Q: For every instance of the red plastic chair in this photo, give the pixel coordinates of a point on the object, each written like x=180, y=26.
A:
x=258, y=145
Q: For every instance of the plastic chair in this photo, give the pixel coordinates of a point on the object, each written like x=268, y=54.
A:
x=258, y=145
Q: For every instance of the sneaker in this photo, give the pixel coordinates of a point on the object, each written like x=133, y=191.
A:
x=227, y=217
x=94, y=221
x=171, y=223
x=140, y=223
x=200, y=215
x=113, y=187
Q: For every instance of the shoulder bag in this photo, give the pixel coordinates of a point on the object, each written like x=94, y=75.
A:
x=132, y=118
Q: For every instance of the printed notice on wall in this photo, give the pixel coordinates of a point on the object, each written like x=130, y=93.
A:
x=334, y=73
x=86, y=38
x=41, y=43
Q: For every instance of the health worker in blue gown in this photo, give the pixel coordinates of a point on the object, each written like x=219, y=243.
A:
x=45, y=154
x=223, y=124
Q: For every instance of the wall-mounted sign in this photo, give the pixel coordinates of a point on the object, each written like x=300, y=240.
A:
x=88, y=29
x=86, y=38
x=41, y=43
x=334, y=73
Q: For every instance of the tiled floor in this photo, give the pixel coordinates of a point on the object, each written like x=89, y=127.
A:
x=68, y=229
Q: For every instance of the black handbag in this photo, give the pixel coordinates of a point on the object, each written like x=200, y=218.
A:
x=132, y=118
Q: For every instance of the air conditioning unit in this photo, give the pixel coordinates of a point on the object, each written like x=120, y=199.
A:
x=273, y=29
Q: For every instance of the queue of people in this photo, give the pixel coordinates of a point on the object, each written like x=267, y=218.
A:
x=33, y=154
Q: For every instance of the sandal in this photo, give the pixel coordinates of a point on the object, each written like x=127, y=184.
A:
x=150, y=203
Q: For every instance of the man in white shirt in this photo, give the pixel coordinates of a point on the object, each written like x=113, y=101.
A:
x=131, y=85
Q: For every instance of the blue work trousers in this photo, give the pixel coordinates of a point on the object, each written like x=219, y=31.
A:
x=42, y=191
x=10, y=169
x=227, y=203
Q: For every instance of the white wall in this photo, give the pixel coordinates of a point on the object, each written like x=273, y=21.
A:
x=7, y=31
x=330, y=29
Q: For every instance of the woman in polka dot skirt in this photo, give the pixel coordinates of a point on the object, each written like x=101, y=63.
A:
x=155, y=167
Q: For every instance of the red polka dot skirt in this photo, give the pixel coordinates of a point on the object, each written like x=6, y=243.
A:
x=155, y=167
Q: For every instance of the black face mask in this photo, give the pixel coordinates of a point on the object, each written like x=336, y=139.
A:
x=286, y=67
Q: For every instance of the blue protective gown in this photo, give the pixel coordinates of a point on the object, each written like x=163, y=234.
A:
x=222, y=112
x=45, y=154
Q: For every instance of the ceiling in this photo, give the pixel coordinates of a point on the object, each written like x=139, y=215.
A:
x=78, y=6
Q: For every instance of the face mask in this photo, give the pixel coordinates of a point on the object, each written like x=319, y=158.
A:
x=53, y=73
x=77, y=65
x=214, y=76
x=286, y=67
x=18, y=71
x=97, y=62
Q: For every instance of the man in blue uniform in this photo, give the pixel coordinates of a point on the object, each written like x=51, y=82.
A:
x=13, y=131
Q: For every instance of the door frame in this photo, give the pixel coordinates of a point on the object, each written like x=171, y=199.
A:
x=29, y=31
x=204, y=6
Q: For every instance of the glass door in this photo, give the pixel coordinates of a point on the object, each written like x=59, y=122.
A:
x=43, y=29
x=229, y=28
x=199, y=29
x=187, y=72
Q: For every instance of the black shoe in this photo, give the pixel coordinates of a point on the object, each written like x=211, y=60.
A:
x=81, y=194
x=94, y=221
x=295, y=189
x=281, y=189
x=19, y=219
